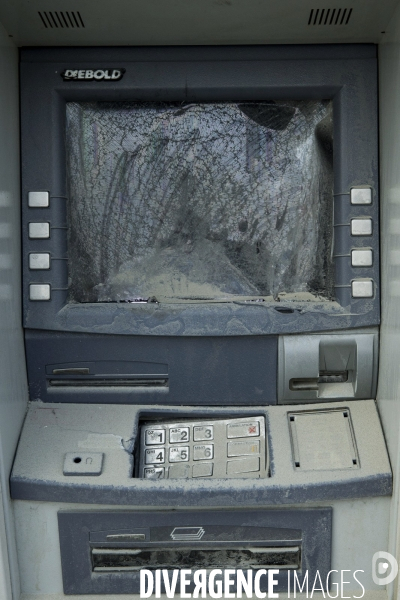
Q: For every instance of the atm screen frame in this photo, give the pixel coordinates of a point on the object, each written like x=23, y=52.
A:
x=347, y=74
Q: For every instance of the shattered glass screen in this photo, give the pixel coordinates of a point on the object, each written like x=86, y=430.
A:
x=209, y=201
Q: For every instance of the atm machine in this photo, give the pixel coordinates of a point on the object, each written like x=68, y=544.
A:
x=209, y=382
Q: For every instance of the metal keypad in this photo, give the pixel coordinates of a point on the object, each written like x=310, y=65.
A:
x=222, y=448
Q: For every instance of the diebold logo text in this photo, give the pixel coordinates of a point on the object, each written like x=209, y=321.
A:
x=92, y=74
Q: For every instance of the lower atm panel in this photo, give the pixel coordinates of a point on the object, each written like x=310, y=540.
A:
x=102, y=552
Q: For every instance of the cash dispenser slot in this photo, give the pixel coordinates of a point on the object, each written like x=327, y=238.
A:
x=102, y=552
x=106, y=560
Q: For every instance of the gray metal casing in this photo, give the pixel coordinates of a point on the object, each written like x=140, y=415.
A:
x=206, y=371
x=53, y=430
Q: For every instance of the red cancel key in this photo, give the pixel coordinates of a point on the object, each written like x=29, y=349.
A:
x=238, y=429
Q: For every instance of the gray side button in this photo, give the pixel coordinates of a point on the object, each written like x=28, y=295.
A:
x=39, y=291
x=39, y=231
x=245, y=465
x=362, y=288
x=39, y=260
x=38, y=199
x=83, y=463
x=361, y=226
x=361, y=195
x=361, y=257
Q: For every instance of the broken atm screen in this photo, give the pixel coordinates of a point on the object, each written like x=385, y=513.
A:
x=210, y=201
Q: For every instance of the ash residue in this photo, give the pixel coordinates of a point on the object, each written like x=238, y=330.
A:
x=202, y=200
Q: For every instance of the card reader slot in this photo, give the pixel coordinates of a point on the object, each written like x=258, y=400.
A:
x=312, y=383
x=110, y=382
x=134, y=559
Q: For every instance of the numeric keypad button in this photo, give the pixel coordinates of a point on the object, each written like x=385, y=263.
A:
x=154, y=473
x=244, y=429
x=154, y=456
x=206, y=451
x=179, y=454
x=179, y=471
x=202, y=433
x=203, y=470
x=242, y=448
x=179, y=435
x=155, y=436
x=245, y=465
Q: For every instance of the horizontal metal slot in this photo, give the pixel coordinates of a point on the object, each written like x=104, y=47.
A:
x=312, y=383
x=333, y=376
x=304, y=384
x=133, y=559
x=72, y=371
x=109, y=382
x=126, y=537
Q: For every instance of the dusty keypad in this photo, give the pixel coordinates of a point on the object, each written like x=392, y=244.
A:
x=220, y=448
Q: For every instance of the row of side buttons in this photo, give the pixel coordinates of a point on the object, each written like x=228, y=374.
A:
x=361, y=257
x=39, y=261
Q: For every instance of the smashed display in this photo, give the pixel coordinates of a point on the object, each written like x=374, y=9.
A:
x=199, y=201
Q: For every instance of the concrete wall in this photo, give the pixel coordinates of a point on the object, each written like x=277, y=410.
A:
x=13, y=386
x=389, y=379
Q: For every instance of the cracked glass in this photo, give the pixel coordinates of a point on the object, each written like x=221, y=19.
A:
x=211, y=201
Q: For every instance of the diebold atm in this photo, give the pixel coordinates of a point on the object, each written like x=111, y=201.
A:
x=201, y=308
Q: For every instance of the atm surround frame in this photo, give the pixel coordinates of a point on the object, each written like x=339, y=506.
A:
x=345, y=73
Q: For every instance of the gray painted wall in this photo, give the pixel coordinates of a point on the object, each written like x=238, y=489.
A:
x=388, y=383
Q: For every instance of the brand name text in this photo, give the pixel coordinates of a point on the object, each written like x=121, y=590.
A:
x=92, y=74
